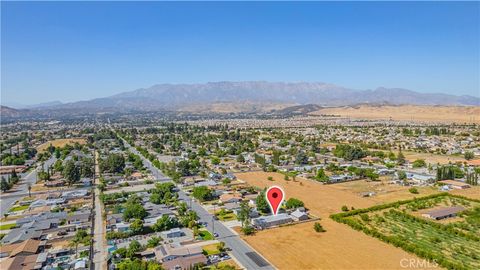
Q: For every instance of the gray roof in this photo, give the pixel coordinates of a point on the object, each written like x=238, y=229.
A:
x=80, y=216
x=297, y=213
x=20, y=235
x=445, y=211
x=42, y=216
x=271, y=218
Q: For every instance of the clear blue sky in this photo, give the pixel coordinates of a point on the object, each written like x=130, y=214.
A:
x=73, y=51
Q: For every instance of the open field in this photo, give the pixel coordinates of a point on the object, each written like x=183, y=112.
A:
x=453, y=245
x=457, y=114
x=384, y=192
x=283, y=246
x=432, y=158
x=60, y=143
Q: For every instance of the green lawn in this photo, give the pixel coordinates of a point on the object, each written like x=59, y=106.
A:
x=206, y=235
x=211, y=249
x=18, y=208
x=7, y=226
x=227, y=217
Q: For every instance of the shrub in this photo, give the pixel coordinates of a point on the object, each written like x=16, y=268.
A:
x=318, y=227
x=294, y=203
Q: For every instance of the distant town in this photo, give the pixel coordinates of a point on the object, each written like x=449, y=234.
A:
x=122, y=192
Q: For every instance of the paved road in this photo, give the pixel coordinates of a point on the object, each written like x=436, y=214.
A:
x=99, y=244
x=240, y=249
x=7, y=200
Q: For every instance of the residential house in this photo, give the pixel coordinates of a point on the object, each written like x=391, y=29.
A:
x=173, y=233
x=174, y=256
x=272, y=220
x=230, y=198
x=25, y=248
x=298, y=215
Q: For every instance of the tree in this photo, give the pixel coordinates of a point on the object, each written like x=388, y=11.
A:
x=413, y=190
x=134, y=210
x=153, y=241
x=318, y=227
x=321, y=176
x=402, y=175
x=81, y=237
x=74, y=243
x=4, y=186
x=58, y=166
x=469, y=155
x=240, y=158
x=349, y=152
x=400, y=157
x=137, y=264
x=136, y=226
x=371, y=174
x=276, y=157
x=165, y=223
x=42, y=175
x=114, y=163
x=133, y=248
x=294, y=203
x=244, y=214
x=71, y=172
x=262, y=204
x=189, y=219
x=221, y=246
x=86, y=167
x=419, y=163
x=202, y=193
x=215, y=160
x=301, y=158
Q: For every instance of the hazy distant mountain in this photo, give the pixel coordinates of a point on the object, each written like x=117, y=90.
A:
x=43, y=105
x=9, y=112
x=32, y=106
x=174, y=96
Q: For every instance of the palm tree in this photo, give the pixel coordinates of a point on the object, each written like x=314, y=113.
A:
x=74, y=243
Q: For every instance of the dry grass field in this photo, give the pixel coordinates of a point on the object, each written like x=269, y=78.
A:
x=457, y=114
x=384, y=192
x=60, y=143
x=432, y=158
x=300, y=247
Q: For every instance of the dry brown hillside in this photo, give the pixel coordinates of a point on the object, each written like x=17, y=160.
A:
x=458, y=114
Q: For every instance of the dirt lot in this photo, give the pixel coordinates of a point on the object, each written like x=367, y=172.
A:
x=339, y=248
x=432, y=158
x=60, y=143
x=473, y=192
x=446, y=114
x=384, y=192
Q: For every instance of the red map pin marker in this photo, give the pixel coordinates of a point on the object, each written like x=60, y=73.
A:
x=275, y=196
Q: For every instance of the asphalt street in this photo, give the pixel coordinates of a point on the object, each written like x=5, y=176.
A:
x=244, y=254
x=8, y=199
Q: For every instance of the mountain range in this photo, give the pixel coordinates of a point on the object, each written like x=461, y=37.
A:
x=181, y=96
